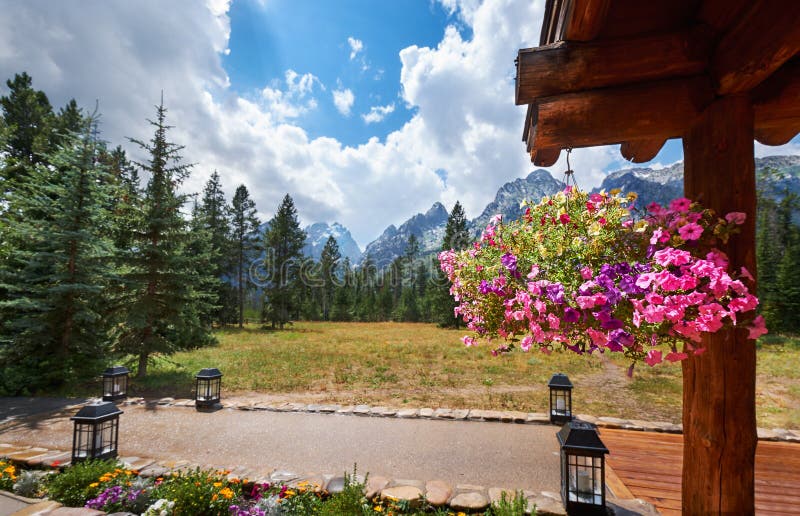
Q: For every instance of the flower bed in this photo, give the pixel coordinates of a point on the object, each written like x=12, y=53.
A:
x=109, y=487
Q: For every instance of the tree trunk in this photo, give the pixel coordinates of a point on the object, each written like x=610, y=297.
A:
x=719, y=424
x=141, y=371
x=241, y=287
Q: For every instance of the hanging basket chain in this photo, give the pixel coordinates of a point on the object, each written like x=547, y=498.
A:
x=569, y=176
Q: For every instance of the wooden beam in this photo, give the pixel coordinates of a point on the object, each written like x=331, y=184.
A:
x=641, y=151
x=760, y=42
x=650, y=111
x=776, y=105
x=719, y=15
x=584, y=19
x=719, y=386
x=566, y=67
x=545, y=157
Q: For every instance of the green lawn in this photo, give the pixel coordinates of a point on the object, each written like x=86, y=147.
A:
x=399, y=364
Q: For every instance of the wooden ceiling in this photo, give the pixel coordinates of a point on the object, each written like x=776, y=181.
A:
x=638, y=72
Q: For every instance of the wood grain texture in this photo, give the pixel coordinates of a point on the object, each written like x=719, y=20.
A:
x=650, y=111
x=585, y=19
x=545, y=157
x=776, y=105
x=719, y=419
x=760, y=41
x=657, y=478
x=567, y=67
x=641, y=151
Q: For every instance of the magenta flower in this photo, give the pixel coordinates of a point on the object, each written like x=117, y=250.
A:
x=681, y=205
x=691, y=231
x=564, y=218
x=757, y=329
x=736, y=217
x=468, y=341
x=653, y=357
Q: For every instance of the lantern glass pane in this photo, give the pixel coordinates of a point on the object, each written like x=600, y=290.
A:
x=585, y=480
x=83, y=437
x=108, y=384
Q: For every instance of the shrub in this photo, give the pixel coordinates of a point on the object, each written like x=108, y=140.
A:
x=198, y=492
x=28, y=484
x=8, y=475
x=350, y=500
x=83, y=481
x=508, y=506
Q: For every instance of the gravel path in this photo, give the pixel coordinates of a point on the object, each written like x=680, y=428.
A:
x=459, y=452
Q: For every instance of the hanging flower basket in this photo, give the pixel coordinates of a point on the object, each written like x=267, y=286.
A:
x=581, y=272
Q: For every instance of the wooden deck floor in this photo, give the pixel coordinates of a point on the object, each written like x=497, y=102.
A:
x=649, y=466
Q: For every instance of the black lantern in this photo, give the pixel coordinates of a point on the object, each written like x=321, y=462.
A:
x=207, y=385
x=560, y=399
x=115, y=383
x=96, y=432
x=583, y=468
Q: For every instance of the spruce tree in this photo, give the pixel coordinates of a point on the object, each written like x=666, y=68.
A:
x=214, y=216
x=160, y=289
x=328, y=265
x=283, y=242
x=57, y=271
x=456, y=237
x=245, y=225
x=28, y=119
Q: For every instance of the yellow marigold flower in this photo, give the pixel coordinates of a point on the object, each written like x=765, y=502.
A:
x=290, y=493
x=615, y=191
x=632, y=196
x=216, y=484
x=378, y=508
x=128, y=472
x=10, y=470
x=94, y=484
x=227, y=493
x=213, y=498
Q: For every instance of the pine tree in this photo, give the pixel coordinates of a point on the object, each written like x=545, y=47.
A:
x=57, y=272
x=283, y=242
x=328, y=265
x=126, y=203
x=214, y=216
x=244, y=227
x=456, y=237
x=407, y=308
x=160, y=289
x=343, y=293
x=29, y=118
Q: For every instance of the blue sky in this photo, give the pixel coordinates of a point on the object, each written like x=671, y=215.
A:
x=312, y=36
x=365, y=112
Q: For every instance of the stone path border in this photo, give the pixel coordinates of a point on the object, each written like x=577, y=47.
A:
x=538, y=418
x=461, y=497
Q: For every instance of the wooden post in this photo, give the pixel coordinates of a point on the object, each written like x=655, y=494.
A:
x=719, y=421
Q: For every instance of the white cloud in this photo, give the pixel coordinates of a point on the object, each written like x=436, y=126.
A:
x=356, y=46
x=343, y=100
x=378, y=113
x=293, y=101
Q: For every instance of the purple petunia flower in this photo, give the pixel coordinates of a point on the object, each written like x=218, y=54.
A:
x=555, y=293
x=571, y=315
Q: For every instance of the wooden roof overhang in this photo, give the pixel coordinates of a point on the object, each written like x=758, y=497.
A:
x=638, y=72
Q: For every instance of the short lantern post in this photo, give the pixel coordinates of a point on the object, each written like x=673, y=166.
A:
x=115, y=383
x=96, y=432
x=560, y=398
x=583, y=469
x=207, y=386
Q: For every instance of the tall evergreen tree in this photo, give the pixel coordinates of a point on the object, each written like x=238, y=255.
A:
x=159, y=317
x=57, y=272
x=214, y=215
x=245, y=224
x=329, y=266
x=283, y=242
x=441, y=303
x=28, y=119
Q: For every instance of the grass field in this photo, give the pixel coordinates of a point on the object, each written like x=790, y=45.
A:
x=399, y=364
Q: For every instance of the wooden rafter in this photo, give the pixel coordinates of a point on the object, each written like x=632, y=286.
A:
x=641, y=151
x=776, y=104
x=584, y=19
x=608, y=116
x=757, y=45
x=545, y=157
x=567, y=66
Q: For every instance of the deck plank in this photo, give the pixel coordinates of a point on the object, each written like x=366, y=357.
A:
x=649, y=465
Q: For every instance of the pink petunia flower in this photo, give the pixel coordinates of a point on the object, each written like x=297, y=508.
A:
x=757, y=329
x=468, y=341
x=654, y=356
x=736, y=217
x=564, y=218
x=690, y=231
x=681, y=205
